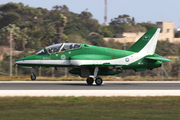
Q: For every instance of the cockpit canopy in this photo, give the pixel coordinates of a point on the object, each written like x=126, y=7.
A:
x=58, y=48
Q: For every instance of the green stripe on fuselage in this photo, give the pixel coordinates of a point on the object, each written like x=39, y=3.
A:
x=99, y=53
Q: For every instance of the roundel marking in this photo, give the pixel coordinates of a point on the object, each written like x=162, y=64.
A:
x=127, y=59
x=146, y=37
x=63, y=57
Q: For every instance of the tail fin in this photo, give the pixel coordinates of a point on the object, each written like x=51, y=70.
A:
x=147, y=43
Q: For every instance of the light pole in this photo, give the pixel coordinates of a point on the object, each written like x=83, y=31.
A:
x=39, y=71
x=10, y=53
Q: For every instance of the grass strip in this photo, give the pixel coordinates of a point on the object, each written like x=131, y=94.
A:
x=81, y=108
x=130, y=78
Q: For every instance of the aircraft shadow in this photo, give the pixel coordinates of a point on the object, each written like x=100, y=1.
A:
x=105, y=84
x=75, y=84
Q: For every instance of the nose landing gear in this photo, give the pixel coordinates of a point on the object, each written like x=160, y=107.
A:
x=33, y=76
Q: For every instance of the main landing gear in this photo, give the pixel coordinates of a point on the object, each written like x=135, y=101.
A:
x=98, y=80
x=90, y=81
x=33, y=76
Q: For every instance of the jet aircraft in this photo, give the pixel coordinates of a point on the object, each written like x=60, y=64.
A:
x=89, y=60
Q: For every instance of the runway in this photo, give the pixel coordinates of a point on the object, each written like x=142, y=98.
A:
x=80, y=88
x=82, y=85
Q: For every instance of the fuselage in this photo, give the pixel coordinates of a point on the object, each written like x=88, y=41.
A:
x=83, y=54
x=87, y=60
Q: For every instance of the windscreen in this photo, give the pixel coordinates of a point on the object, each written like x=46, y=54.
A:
x=58, y=47
x=51, y=49
x=41, y=52
x=68, y=46
x=54, y=48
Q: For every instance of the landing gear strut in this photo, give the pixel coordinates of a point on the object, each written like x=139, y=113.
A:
x=33, y=76
x=98, y=80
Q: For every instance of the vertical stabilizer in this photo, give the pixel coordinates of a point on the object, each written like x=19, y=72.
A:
x=147, y=43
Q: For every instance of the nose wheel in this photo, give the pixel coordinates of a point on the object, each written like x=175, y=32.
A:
x=90, y=81
x=33, y=76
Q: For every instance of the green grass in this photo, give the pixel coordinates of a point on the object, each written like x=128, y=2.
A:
x=81, y=108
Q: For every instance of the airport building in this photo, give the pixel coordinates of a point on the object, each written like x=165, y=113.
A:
x=166, y=34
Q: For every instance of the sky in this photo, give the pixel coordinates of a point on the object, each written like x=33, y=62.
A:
x=141, y=10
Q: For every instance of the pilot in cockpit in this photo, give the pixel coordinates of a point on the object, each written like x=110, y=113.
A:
x=64, y=49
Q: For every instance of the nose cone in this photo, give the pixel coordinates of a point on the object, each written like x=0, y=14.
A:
x=26, y=60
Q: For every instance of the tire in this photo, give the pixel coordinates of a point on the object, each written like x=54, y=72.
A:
x=33, y=77
x=89, y=80
x=98, y=81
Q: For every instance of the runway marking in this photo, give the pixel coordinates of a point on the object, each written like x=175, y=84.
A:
x=76, y=93
x=82, y=92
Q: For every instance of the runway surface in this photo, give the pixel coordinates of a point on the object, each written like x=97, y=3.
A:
x=80, y=88
x=82, y=85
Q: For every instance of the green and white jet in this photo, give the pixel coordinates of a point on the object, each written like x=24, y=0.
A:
x=88, y=60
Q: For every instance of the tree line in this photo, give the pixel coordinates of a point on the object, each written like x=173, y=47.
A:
x=35, y=28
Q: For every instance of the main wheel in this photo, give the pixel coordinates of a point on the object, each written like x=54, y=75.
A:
x=89, y=80
x=33, y=77
x=98, y=81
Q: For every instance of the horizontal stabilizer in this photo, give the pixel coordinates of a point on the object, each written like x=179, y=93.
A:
x=159, y=58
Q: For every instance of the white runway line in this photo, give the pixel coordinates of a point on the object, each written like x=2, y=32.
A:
x=76, y=93
x=107, y=93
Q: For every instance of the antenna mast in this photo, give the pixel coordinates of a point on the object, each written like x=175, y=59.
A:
x=105, y=17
